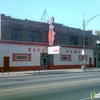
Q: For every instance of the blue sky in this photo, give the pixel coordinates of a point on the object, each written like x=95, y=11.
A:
x=67, y=12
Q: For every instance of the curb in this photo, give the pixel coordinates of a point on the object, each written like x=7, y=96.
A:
x=41, y=73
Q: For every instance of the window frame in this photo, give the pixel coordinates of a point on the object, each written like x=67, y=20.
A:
x=15, y=34
x=34, y=37
x=82, y=56
x=73, y=40
x=15, y=55
x=65, y=56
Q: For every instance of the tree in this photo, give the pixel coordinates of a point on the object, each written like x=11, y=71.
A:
x=97, y=32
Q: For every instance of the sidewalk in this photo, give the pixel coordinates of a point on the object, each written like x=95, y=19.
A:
x=46, y=72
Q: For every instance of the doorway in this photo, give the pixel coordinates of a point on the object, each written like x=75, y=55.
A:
x=95, y=62
x=6, y=64
x=90, y=62
x=44, y=61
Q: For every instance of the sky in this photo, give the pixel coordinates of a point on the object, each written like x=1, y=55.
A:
x=67, y=12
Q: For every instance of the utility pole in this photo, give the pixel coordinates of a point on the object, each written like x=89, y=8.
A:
x=84, y=25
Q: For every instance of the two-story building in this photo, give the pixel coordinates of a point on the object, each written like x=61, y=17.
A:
x=24, y=46
x=96, y=50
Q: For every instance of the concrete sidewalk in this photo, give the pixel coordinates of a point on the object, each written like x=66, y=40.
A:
x=46, y=72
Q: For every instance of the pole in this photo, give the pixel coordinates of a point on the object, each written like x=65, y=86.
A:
x=84, y=44
x=84, y=25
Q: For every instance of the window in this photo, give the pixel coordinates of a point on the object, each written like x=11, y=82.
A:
x=81, y=57
x=34, y=36
x=21, y=57
x=57, y=38
x=72, y=40
x=65, y=57
x=16, y=34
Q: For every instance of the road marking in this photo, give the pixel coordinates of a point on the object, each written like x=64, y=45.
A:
x=86, y=98
x=46, y=87
x=45, y=79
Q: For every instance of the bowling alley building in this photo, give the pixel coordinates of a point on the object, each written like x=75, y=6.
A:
x=24, y=46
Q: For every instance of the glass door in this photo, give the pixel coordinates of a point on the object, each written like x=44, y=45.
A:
x=44, y=62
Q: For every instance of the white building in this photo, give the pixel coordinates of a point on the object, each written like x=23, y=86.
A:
x=20, y=56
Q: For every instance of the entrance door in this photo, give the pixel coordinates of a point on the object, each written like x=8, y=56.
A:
x=95, y=62
x=44, y=62
x=6, y=63
x=90, y=62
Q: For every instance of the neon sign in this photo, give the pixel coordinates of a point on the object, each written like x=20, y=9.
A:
x=51, y=32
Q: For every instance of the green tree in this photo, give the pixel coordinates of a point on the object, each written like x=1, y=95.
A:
x=97, y=32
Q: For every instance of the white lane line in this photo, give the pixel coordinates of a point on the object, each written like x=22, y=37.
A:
x=86, y=98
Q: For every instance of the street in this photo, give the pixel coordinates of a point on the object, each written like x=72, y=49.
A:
x=71, y=86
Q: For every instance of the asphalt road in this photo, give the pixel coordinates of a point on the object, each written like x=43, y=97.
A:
x=72, y=86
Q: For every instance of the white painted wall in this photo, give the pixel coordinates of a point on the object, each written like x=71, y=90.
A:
x=9, y=49
x=74, y=56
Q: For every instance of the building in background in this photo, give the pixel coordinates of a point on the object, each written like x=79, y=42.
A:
x=24, y=43
x=96, y=50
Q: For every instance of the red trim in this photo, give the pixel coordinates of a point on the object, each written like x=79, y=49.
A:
x=72, y=46
x=15, y=54
x=39, y=44
x=68, y=66
x=24, y=68
x=66, y=60
x=51, y=66
x=1, y=69
x=22, y=43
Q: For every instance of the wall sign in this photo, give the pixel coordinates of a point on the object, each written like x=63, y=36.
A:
x=54, y=50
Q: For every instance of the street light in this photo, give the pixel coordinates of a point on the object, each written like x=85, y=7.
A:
x=84, y=25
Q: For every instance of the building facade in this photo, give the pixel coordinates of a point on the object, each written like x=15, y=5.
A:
x=24, y=46
x=96, y=50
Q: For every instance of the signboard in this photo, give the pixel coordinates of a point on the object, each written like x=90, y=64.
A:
x=54, y=50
